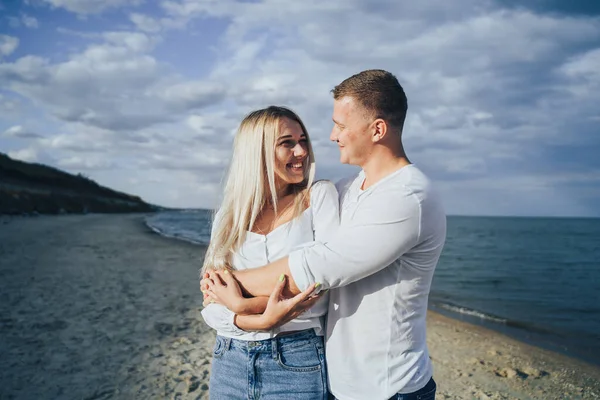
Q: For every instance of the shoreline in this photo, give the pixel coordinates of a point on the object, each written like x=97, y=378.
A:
x=100, y=306
x=520, y=334
x=484, y=364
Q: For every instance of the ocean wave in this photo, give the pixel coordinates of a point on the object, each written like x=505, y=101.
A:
x=172, y=233
x=472, y=313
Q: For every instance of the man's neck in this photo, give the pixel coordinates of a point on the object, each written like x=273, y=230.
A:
x=382, y=165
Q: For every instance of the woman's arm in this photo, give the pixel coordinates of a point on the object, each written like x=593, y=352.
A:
x=279, y=310
x=225, y=290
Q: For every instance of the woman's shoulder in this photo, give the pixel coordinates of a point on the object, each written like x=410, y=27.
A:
x=322, y=187
x=321, y=190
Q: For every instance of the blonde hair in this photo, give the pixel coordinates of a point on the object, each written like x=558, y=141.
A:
x=250, y=180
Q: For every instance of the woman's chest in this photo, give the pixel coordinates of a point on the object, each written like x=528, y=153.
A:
x=259, y=250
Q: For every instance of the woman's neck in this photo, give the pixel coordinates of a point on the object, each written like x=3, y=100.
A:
x=281, y=192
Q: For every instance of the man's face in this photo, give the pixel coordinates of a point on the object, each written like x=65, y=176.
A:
x=351, y=131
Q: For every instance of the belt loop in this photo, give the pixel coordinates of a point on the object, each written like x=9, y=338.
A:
x=274, y=348
x=227, y=344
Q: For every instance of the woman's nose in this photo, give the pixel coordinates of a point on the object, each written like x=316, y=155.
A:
x=299, y=150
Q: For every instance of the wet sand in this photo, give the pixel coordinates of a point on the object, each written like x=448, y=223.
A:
x=100, y=307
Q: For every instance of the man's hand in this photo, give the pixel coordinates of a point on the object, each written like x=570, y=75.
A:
x=220, y=287
x=281, y=310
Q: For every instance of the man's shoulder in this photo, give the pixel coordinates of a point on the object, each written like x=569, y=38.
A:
x=343, y=184
x=411, y=181
x=409, y=188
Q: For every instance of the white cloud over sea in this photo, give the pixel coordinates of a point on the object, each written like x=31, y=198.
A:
x=145, y=97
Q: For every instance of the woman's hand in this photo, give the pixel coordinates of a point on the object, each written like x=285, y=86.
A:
x=281, y=310
x=220, y=287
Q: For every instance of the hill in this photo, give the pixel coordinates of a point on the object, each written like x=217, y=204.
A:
x=36, y=188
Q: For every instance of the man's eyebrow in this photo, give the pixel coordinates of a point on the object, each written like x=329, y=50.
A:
x=335, y=122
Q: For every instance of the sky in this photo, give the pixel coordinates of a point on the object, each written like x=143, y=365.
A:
x=145, y=96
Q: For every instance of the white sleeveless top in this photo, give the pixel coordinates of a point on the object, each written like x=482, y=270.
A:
x=317, y=223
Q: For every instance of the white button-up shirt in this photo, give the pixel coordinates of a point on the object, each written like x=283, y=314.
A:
x=379, y=265
x=318, y=222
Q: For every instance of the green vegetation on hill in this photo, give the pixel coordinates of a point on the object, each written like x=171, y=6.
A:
x=36, y=188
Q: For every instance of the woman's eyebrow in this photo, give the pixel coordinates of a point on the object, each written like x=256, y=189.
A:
x=291, y=137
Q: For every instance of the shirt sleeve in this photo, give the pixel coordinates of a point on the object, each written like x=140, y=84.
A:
x=385, y=226
x=220, y=318
x=325, y=206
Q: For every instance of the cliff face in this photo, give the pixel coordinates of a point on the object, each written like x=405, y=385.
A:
x=36, y=188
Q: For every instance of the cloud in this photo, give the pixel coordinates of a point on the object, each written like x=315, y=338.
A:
x=29, y=21
x=8, y=44
x=501, y=98
x=23, y=20
x=17, y=131
x=85, y=163
x=27, y=155
x=85, y=7
x=145, y=23
x=8, y=106
x=112, y=85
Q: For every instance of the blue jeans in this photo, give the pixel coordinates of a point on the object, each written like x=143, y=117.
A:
x=427, y=393
x=286, y=367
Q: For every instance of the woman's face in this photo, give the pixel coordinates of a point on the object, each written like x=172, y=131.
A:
x=291, y=153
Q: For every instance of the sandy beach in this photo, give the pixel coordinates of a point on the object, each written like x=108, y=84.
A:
x=101, y=307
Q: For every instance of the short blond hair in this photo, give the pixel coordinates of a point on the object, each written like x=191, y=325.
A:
x=379, y=93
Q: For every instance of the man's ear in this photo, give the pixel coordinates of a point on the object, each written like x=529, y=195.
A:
x=379, y=130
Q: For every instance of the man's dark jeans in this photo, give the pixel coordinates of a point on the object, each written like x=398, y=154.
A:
x=427, y=393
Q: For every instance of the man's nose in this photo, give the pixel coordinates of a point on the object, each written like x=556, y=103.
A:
x=333, y=135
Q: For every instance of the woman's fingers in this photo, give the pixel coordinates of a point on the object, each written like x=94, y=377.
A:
x=209, y=278
x=228, y=278
x=299, y=298
x=204, y=284
x=210, y=297
x=276, y=293
x=219, y=278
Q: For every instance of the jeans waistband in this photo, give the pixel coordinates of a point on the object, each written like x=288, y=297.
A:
x=269, y=345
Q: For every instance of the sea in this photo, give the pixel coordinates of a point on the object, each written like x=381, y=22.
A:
x=534, y=279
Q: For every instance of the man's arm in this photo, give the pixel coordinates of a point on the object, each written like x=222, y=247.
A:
x=325, y=210
x=382, y=229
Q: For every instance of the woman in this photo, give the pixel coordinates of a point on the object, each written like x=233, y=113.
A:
x=270, y=206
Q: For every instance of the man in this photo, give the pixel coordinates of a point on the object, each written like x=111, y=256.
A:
x=380, y=264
